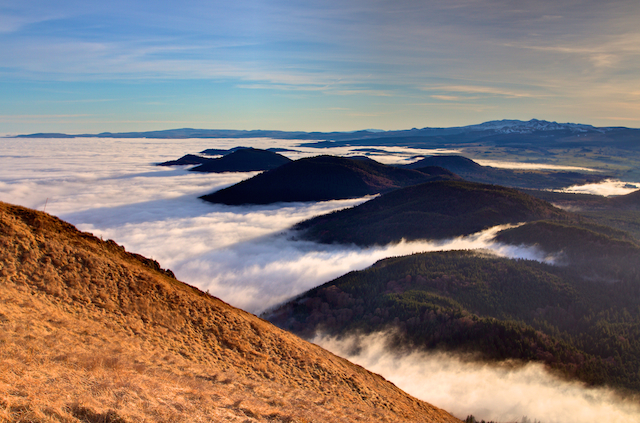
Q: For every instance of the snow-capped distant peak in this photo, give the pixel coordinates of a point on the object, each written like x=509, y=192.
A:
x=507, y=126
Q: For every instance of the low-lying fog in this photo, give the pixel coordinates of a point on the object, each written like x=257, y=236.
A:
x=607, y=188
x=242, y=254
x=499, y=392
x=245, y=255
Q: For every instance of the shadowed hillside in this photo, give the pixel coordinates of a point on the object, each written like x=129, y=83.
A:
x=323, y=178
x=238, y=159
x=492, y=307
x=537, y=179
x=594, y=251
x=433, y=210
x=92, y=333
x=187, y=159
x=244, y=160
x=620, y=212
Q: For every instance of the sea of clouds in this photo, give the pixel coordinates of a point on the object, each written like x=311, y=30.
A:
x=502, y=392
x=246, y=255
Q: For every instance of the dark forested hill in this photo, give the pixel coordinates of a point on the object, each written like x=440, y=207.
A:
x=473, y=302
x=237, y=159
x=323, y=178
x=456, y=164
x=594, y=251
x=187, y=159
x=533, y=179
x=629, y=201
x=620, y=212
x=244, y=160
x=432, y=210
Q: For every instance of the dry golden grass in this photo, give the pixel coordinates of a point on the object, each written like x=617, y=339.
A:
x=91, y=333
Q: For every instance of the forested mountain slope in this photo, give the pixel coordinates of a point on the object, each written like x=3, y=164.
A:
x=472, y=302
x=432, y=210
x=521, y=178
x=323, y=178
x=241, y=159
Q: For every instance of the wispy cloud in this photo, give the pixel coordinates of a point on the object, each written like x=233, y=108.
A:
x=374, y=93
x=478, y=89
x=447, y=97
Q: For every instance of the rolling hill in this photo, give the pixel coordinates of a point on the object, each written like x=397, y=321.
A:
x=596, y=252
x=187, y=159
x=433, y=210
x=493, y=308
x=533, y=179
x=243, y=160
x=323, y=178
x=92, y=333
x=238, y=159
x=620, y=212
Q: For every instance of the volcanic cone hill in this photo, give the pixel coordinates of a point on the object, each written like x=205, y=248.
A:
x=244, y=160
x=433, y=210
x=92, y=333
x=456, y=164
x=323, y=178
x=241, y=159
x=187, y=159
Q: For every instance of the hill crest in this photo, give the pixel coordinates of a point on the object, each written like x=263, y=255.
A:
x=322, y=178
x=433, y=210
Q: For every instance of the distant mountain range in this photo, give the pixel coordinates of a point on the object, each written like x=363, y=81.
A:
x=496, y=127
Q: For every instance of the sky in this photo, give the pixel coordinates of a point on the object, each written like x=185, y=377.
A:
x=86, y=66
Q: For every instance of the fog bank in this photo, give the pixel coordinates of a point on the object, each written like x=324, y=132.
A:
x=500, y=392
x=248, y=257
x=606, y=188
x=242, y=254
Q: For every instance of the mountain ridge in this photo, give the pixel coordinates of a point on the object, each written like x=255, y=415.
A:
x=323, y=178
x=432, y=210
x=505, y=126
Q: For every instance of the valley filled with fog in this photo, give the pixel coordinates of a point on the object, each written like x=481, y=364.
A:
x=248, y=257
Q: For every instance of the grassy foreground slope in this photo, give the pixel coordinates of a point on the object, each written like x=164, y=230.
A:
x=92, y=333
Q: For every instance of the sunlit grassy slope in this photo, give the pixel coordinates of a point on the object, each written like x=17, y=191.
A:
x=92, y=333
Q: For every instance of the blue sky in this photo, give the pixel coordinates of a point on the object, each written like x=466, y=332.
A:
x=87, y=66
